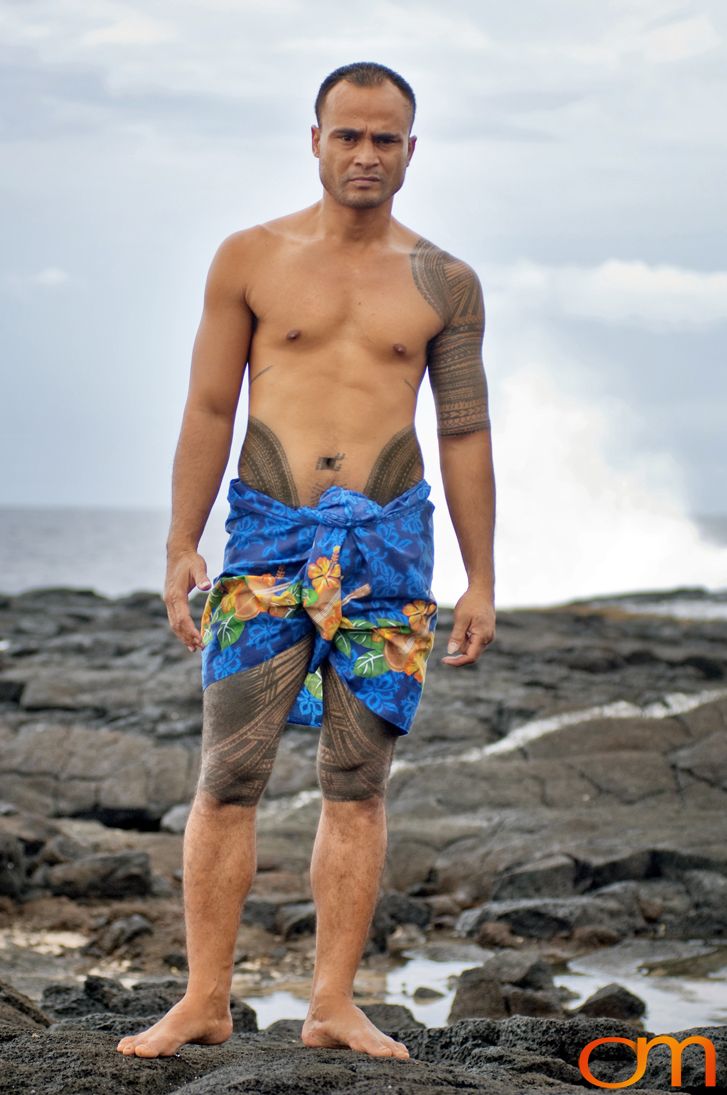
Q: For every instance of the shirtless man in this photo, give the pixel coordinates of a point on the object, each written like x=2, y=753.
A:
x=338, y=309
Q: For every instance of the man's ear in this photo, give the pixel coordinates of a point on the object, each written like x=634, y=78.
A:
x=315, y=133
x=412, y=146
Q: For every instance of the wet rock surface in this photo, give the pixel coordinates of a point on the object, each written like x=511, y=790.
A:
x=565, y=794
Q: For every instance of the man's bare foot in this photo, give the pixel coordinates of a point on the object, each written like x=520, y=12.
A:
x=187, y=1021
x=339, y=1022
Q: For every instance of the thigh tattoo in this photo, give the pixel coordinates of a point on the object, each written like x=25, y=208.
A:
x=356, y=746
x=244, y=715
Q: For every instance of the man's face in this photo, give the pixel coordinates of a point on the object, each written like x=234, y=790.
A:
x=363, y=143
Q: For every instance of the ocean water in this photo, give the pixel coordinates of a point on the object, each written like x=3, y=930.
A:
x=117, y=551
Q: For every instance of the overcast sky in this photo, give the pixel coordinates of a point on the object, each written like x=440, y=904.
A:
x=573, y=153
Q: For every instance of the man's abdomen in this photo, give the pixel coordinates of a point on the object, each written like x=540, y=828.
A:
x=296, y=471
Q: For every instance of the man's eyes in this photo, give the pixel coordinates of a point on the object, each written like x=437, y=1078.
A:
x=380, y=140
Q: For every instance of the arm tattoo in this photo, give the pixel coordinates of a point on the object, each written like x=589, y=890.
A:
x=454, y=356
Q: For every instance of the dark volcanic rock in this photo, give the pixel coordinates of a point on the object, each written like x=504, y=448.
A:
x=508, y=983
x=18, y=1010
x=118, y=933
x=146, y=998
x=545, y=917
x=613, y=1001
x=12, y=865
x=552, y=788
x=122, y=874
x=504, y=1057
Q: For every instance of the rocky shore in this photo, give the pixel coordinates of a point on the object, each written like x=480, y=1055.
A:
x=565, y=795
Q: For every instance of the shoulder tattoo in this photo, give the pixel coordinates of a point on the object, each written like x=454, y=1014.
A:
x=454, y=356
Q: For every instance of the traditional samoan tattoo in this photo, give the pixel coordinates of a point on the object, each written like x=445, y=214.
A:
x=263, y=464
x=454, y=356
x=355, y=747
x=398, y=466
x=243, y=716
x=245, y=713
x=258, y=375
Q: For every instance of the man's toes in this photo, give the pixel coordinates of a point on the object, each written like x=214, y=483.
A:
x=396, y=1049
x=145, y=1049
x=128, y=1045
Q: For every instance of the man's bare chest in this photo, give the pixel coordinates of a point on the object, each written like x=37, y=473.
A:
x=320, y=297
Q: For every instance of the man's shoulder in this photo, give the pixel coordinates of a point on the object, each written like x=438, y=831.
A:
x=448, y=283
x=429, y=254
x=279, y=230
x=242, y=240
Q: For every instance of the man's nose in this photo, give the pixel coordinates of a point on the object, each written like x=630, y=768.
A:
x=367, y=153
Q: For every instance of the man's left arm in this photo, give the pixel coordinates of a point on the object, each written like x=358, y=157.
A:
x=459, y=386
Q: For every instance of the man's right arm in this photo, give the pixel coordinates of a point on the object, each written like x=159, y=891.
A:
x=219, y=359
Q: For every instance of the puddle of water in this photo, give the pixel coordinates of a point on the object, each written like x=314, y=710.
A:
x=673, y=1002
x=676, y=996
x=420, y=971
x=682, y=982
x=55, y=943
x=399, y=986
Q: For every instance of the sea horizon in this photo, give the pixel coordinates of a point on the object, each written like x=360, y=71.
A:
x=117, y=551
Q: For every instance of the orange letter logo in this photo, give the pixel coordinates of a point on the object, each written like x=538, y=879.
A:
x=641, y=1048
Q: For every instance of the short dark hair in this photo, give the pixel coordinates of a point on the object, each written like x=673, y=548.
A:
x=364, y=74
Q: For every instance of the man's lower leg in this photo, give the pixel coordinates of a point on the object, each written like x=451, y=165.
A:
x=348, y=858
x=220, y=861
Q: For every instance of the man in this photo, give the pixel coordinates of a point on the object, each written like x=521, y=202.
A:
x=339, y=310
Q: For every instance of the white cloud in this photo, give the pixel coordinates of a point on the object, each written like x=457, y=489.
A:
x=681, y=39
x=50, y=277
x=133, y=29
x=658, y=297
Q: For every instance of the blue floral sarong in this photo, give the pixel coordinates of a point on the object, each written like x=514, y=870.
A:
x=354, y=573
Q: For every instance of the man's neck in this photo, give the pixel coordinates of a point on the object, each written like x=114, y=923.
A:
x=345, y=224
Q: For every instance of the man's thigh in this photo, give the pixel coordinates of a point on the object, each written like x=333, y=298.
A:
x=356, y=746
x=243, y=716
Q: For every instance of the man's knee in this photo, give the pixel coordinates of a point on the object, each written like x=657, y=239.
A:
x=366, y=781
x=222, y=783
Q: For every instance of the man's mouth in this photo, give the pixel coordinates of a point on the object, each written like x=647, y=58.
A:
x=365, y=178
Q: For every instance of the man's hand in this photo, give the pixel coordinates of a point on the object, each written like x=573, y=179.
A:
x=184, y=571
x=473, y=628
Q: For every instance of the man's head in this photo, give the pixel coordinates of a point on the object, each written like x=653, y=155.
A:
x=363, y=140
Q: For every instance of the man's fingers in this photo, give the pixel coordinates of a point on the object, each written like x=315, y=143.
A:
x=185, y=573
x=457, y=651
x=469, y=649
x=182, y=624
